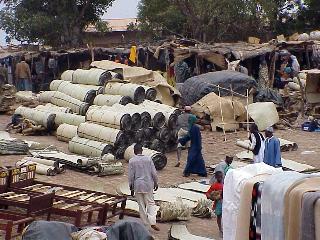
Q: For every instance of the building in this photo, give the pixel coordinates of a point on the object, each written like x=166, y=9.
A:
x=116, y=34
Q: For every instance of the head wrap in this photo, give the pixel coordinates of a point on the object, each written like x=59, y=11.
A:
x=187, y=108
x=192, y=120
x=270, y=129
x=287, y=70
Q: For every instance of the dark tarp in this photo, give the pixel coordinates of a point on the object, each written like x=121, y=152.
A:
x=43, y=230
x=197, y=87
x=128, y=230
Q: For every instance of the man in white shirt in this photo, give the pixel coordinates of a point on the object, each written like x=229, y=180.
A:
x=143, y=180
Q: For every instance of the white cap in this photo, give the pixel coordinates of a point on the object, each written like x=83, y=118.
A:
x=270, y=129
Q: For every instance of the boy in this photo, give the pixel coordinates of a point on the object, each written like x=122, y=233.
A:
x=223, y=167
x=215, y=194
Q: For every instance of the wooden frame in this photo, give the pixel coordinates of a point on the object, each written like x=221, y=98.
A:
x=106, y=209
x=12, y=220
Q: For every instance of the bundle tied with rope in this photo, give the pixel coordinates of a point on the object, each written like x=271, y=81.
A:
x=87, y=147
x=158, y=158
x=63, y=100
x=134, y=91
x=76, y=91
x=108, y=118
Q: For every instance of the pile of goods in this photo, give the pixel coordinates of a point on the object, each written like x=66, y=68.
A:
x=101, y=166
x=98, y=114
x=7, y=97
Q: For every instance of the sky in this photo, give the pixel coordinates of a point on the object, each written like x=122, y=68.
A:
x=119, y=9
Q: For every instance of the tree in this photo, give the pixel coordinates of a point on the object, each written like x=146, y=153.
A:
x=58, y=22
x=156, y=16
x=212, y=20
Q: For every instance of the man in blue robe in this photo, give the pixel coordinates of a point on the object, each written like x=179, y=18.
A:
x=272, y=153
x=195, y=162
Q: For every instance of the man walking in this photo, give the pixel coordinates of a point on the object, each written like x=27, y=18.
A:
x=272, y=154
x=183, y=126
x=143, y=180
x=23, y=75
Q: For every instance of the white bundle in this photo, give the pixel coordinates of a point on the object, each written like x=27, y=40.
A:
x=315, y=35
x=304, y=37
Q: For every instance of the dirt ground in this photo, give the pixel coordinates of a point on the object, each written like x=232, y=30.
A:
x=214, y=150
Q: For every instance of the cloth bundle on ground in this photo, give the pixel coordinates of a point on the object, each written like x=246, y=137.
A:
x=231, y=111
x=175, y=211
x=195, y=88
x=128, y=230
x=43, y=230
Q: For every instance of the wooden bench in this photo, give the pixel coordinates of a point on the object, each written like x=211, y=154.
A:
x=13, y=224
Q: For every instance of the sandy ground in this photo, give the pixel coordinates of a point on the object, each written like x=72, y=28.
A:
x=214, y=150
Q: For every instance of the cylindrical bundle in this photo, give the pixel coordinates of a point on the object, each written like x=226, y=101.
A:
x=136, y=92
x=115, y=75
x=136, y=122
x=63, y=100
x=158, y=145
x=40, y=168
x=109, y=118
x=93, y=76
x=149, y=134
x=151, y=93
x=137, y=136
x=49, y=107
x=74, y=90
x=42, y=161
x=83, y=146
x=66, y=132
x=158, y=118
x=109, y=100
x=102, y=134
x=107, y=169
x=45, y=119
x=171, y=113
x=98, y=89
x=68, y=118
x=163, y=134
x=243, y=144
x=159, y=159
x=67, y=75
x=13, y=147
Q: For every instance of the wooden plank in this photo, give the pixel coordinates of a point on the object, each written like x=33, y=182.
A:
x=70, y=205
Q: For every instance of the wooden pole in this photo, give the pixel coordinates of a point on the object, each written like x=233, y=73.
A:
x=221, y=112
x=234, y=113
x=272, y=69
x=247, y=112
x=302, y=92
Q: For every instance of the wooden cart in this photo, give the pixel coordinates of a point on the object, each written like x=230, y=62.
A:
x=88, y=201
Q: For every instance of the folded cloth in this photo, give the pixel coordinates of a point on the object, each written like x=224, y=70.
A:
x=233, y=184
x=307, y=227
x=272, y=203
x=255, y=218
x=243, y=218
x=293, y=201
x=317, y=219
